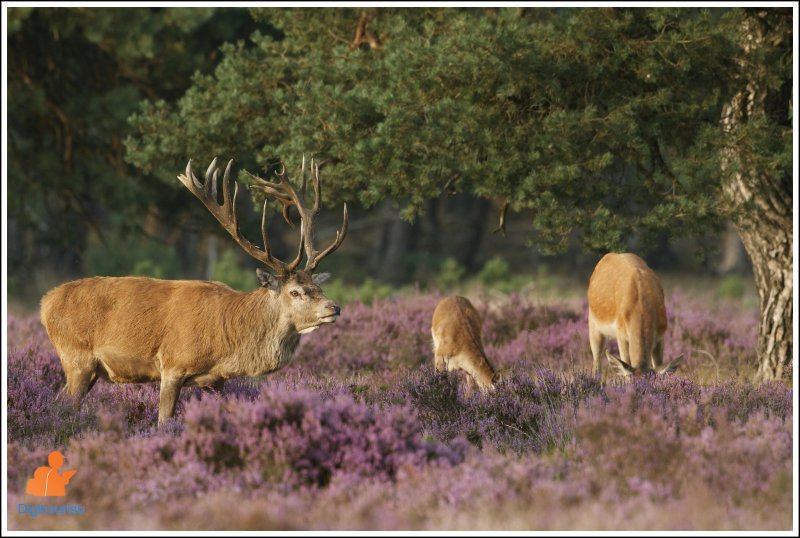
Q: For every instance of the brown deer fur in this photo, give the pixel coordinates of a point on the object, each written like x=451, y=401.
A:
x=626, y=302
x=457, y=342
x=181, y=332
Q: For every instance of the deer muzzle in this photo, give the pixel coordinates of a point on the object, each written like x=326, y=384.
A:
x=333, y=312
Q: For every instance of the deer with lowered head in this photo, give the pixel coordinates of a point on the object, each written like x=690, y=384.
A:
x=457, y=342
x=193, y=332
x=626, y=302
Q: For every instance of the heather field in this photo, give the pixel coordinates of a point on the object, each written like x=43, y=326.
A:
x=359, y=433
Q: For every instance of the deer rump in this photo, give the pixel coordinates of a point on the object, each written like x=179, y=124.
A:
x=626, y=302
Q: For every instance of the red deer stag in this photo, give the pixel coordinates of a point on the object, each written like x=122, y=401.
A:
x=457, y=342
x=193, y=332
x=626, y=302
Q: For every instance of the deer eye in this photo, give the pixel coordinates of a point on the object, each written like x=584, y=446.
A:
x=294, y=293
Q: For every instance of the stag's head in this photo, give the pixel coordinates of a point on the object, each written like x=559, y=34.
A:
x=297, y=290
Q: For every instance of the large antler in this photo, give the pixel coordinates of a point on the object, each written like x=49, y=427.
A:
x=285, y=193
x=225, y=213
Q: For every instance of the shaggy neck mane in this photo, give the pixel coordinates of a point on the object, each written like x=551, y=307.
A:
x=262, y=339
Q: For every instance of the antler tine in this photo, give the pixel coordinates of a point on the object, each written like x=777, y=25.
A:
x=290, y=267
x=225, y=213
x=281, y=191
x=303, y=176
x=211, y=179
x=289, y=196
x=231, y=203
x=314, y=258
x=264, y=239
x=317, y=192
x=226, y=191
x=190, y=176
x=284, y=192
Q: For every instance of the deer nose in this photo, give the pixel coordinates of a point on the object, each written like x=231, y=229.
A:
x=335, y=308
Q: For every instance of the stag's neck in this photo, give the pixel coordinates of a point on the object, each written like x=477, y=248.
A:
x=270, y=340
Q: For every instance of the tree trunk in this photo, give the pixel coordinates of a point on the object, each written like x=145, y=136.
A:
x=762, y=200
x=769, y=245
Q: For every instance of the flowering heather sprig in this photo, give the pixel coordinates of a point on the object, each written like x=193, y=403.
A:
x=525, y=413
x=26, y=331
x=665, y=430
x=709, y=336
x=742, y=399
x=295, y=435
x=35, y=412
x=290, y=437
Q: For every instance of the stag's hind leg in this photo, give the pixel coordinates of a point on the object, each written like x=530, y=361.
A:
x=168, y=396
x=81, y=371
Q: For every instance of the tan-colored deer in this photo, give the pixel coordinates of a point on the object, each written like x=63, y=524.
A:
x=457, y=342
x=191, y=332
x=626, y=302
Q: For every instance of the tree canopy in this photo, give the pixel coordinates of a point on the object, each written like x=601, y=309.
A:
x=595, y=120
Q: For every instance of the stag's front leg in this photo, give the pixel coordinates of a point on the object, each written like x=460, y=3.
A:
x=170, y=390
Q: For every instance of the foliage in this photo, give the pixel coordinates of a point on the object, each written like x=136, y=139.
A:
x=485, y=102
x=227, y=269
x=368, y=291
x=450, y=273
x=494, y=271
x=120, y=256
x=496, y=275
x=359, y=432
x=731, y=287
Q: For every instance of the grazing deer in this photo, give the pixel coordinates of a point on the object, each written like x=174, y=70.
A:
x=192, y=332
x=457, y=342
x=626, y=302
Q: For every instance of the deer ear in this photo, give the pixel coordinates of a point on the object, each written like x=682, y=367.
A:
x=672, y=365
x=267, y=280
x=621, y=367
x=320, y=278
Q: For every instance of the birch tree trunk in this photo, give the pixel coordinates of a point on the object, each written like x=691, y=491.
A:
x=762, y=197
